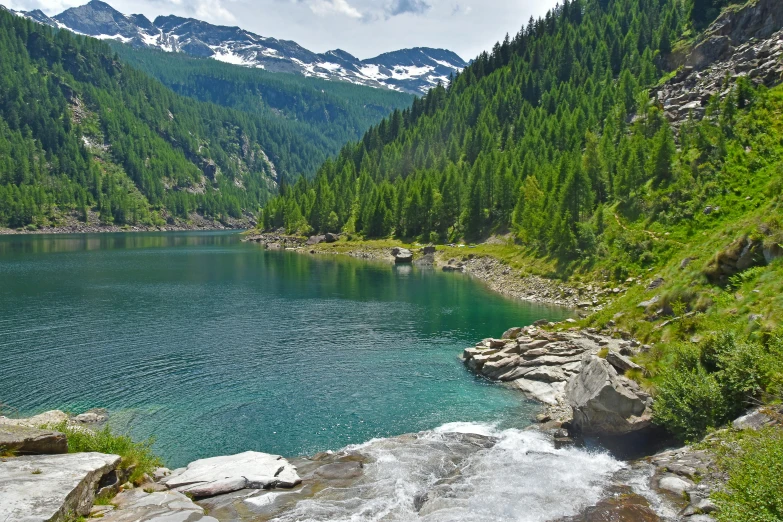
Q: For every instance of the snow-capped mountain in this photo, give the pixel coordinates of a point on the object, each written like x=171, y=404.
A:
x=409, y=70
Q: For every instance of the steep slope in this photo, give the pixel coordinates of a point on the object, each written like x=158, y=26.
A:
x=81, y=132
x=327, y=112
x=408, y=70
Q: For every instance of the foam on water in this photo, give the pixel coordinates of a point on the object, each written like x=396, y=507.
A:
x=446, y=474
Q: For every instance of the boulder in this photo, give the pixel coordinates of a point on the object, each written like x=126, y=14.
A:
x=24, y=440
x=604, y=403
x=169, y=506
x=314, y=240
x=97, y=417
x=512, y=333
x=452, y=268
x=429, y=249
x=330, y=237
x=47, y=487
x=220, y=475
x=402, y=255
x=621, y=363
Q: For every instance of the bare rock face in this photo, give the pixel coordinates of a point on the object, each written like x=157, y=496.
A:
x=604, y=403
x=220, y=475
x=24, y=440
x=47, y=487
x=166, y=506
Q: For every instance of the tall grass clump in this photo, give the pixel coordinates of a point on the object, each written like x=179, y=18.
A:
x=137, y=456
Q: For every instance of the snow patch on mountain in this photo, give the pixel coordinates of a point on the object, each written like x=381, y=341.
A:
x=408, y=70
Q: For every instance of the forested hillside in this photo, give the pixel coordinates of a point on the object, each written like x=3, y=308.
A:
x=83, y=133
x=327, y=113
x=536, y=135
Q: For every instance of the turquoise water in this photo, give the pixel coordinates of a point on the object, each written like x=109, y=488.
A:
x=214, y=346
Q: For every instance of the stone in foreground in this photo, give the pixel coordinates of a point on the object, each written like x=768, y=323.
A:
x=605, y=403
x=23, y=440
x=221, y=475
x=47, y=487
x=169, y=506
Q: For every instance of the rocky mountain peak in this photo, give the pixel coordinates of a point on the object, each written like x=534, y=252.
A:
x=408, y=70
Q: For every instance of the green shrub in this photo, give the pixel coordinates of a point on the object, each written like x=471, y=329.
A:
x=136, y=455
x=754, y=464
x=689, y=402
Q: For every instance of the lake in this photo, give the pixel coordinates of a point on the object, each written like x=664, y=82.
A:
x=214, y=346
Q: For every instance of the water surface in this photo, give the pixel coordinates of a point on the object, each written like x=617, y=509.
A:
x=215, y=346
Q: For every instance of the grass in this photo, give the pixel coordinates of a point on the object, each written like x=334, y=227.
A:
x=753, y=461
x=137, y=456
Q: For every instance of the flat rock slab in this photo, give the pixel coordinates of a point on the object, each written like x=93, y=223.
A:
x=49, y=418
x=43, y=488
x=24, y=440
x=170, y=506
x=221, y=475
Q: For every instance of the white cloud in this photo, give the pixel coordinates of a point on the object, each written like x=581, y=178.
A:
x=324, y=7
x=212, y=10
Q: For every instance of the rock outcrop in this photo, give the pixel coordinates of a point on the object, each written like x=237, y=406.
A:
x=745, y=41
x=605, y=403
x=46, y=488
x=167, y=506
x=221, y=475
x=402, y=255
x=545, y=365
x=23, y=440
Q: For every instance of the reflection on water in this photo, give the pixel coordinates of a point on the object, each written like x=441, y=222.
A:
x=213, y=345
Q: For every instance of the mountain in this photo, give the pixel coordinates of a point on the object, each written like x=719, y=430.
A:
x=408, y=70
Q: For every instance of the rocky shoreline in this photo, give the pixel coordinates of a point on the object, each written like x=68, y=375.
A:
x=495, y=274
x=72, y=225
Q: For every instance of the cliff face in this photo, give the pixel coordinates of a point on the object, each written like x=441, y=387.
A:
x=742, y=42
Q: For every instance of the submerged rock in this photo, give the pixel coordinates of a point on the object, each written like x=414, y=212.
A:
x=221, y=475
x=47, y=487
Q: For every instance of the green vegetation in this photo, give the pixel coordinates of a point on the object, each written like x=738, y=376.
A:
x=326, y=113
x=137, y=456
x=553, y=141
x=753, y=462
x=80, y=131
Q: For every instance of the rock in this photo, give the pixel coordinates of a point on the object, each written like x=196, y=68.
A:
x=546, y=374
x=540, y=391
x=512, y=333
x=655, y=283
x=402, y=255
x=341, y=470
x=219, y=475
x=650, y=302
x=427, y=250
x=452, y=268
x=96, y=416
x=622, y=364
x=331, y=238
x=314, y=240
x=541, y=322
x=46, y=487
x=685, y=262
x=169, y=506
x=24, y=440
x=49, y=418
x=604, y=403
x=711, y=50
x=707, y=210
x=160, y=473
x=675, y=484
x=755, y=420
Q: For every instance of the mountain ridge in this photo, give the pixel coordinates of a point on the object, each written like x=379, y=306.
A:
x=413, y=70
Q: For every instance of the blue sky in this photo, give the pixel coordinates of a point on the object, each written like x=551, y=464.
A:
x=364, y=28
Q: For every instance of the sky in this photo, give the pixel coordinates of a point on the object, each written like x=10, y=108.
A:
x=364, y=28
